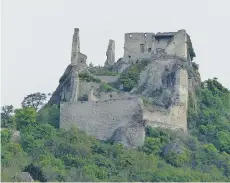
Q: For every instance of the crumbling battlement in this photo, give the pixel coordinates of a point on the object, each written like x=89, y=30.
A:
x=143, y=45
x=77, y=58
x=110, y=54
x=105, y=119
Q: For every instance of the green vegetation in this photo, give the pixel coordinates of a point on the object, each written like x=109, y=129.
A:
x=49, y=114
x=35, y=100
x=88, y=78
x=209, y=115
x=52, y=154
x=190, y=48
x=106, y=88
x=130, y=77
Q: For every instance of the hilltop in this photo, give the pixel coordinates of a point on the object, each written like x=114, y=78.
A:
x=146, y=117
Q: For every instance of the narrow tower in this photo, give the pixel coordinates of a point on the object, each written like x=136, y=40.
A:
x=110, y=53
x=75, y=47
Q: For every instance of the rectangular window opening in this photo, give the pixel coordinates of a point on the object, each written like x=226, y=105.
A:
x=142, y=47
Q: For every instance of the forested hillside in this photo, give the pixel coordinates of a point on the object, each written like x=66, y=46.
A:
x=52, y=154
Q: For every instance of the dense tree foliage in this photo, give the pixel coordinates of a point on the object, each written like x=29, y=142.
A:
x=35, y=100
x=52, y=154
x=88, y=78
x=7, y=116
x=130, y=77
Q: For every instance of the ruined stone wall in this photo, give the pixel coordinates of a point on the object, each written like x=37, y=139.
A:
x=110, y=53
x=180, y=103
x=142, y=45
x=132, y=47
x=181, y=88
x=160, y=44
x=178, y=45
x=166, y=75
x=114, y=95
x=92, y=97
x=117, y=119
x=75, y=47
x=107, y=79
x=71, y=95
x=176, y=116
x=85, y=87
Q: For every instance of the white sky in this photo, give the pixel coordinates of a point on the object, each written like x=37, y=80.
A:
x=37, y=36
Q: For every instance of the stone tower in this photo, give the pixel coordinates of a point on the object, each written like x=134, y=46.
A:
x=75, y=47
x=74, y=87
x=77, y=58
x=110, y=53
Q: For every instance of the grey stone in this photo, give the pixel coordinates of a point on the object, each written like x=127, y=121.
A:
x=24, y=177
x=110, y=54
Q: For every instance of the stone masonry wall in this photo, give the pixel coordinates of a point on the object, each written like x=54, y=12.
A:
x=75, y=47
x=85, y=87
x=132, y=47
x=176, y=116
x=110, y=53
x=118, y=119
x=107, y=79
x=178, y=45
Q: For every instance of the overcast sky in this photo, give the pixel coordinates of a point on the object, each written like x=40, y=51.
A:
x=37, y=36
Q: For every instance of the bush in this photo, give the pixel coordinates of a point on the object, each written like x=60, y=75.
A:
x=88, y=78
x=106, y=88
x=130, y=78
x=49, y=114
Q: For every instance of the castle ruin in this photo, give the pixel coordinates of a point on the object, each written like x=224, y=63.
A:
x=123, y=116
x=110, y=53
x=144, y=45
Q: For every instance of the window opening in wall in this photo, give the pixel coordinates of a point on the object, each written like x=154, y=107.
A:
x=130, y=35
x=110, y=96
x=149, y=49
x=145, y=35
x=129, y=56
x=142, y=47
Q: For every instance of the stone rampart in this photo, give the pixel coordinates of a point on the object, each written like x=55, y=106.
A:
x=107, y=79
x=120, y=120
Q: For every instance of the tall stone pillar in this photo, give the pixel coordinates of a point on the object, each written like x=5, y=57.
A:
x=75, y=47
x=110, y=53
x=74, y=87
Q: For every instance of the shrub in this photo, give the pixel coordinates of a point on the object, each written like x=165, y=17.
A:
x=88, y=78
x=106, y=88
x=130, y=78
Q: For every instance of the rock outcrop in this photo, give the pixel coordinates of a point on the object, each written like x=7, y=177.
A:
x=24, y=177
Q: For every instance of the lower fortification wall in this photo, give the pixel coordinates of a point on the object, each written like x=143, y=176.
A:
x=120, y=120
x=85, y=87
x=173, y=118
x=107, y=79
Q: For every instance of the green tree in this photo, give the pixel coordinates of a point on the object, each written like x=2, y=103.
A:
x=49, y=114
x=6, y=116
x=224, y=141
x=35, y=100
x=152, y=145
x=25, y=116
